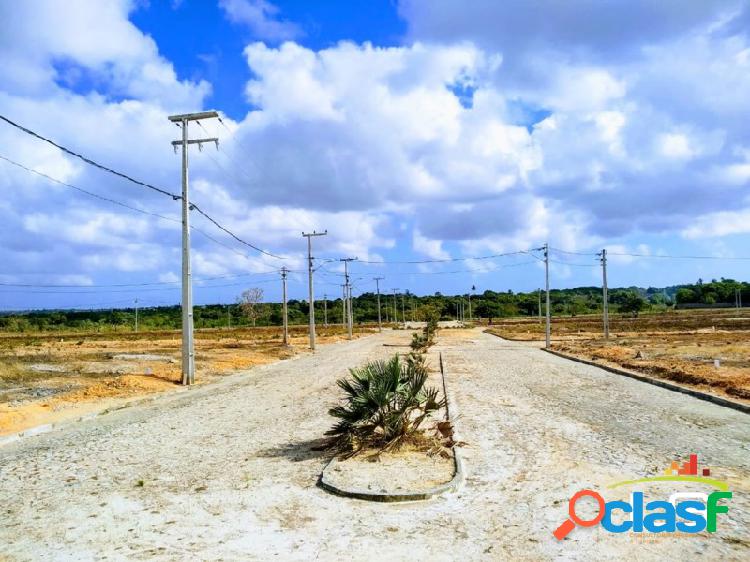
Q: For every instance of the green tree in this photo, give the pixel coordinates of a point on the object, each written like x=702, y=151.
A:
x=632, y=303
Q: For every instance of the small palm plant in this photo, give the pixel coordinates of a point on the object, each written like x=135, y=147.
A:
x=385, y=403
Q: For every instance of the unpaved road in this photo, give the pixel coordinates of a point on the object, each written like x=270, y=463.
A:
x=227, y=471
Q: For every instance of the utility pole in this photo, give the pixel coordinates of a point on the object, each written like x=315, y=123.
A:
x=603, y=259
x=546, y=282
x=469, y=307
x=311, y=298
x=325, y=310
x=348, y=291
x=188, y=342
x=403, y=310
x=343, y=305
x=377, y=285
x=395, y=307
x=284, y=271
x=539, y=309
x=229, y=316
x=136, y=315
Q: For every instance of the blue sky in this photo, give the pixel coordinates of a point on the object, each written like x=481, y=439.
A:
x=413, y=130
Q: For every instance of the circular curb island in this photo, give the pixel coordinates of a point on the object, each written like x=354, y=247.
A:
x=393, y=497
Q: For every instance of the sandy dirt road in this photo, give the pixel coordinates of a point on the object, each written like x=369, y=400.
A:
x=226, y=471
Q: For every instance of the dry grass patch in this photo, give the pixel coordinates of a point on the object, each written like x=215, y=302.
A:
x=72, y=371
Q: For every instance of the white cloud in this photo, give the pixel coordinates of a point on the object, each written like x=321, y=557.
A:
x=675, y=145
x=466, y=137
x=47, y=44
x=261, y=17
x=168, y=277
x=433, y=249
x=718, y=224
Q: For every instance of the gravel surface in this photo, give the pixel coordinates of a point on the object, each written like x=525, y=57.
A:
x=398, y=473
x=226, y=470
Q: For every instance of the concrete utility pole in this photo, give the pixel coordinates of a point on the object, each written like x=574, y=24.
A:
x=325, y=310
x=605, y=298
x=469, y=307
x=188, y=342
x=348, y=292
x=377, y=285
x=343, y=305
x=539, y=310
x=546, y=284
x=311, y=298
x=403, y=310
x=284, y=271
x=229, y=316
x=136, y=315
x=395, y=307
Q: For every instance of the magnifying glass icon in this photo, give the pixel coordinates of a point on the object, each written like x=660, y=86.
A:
x=569, y=524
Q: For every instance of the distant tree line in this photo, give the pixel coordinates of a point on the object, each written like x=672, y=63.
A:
x=489, y=304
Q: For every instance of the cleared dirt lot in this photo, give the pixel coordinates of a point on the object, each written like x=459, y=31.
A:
x=47, y=378
x=680, y=346
x=227, y=470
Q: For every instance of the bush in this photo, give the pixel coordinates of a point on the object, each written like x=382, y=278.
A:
x=385, y=404
x=420, y=342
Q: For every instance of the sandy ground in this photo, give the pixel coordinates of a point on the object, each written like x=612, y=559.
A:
x=396, y=473
x=49, y=378
x=227, y=471
x=680, y=346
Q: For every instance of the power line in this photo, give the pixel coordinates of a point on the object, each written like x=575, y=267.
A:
x=72, y=286
x=125, y=205
x=573, y=264
x=33, y=290
x=558, y=250
x=239, y=166
x=664, y=256
x=656, y=256
x=89, y=161
x=90, y=193
x=122, y=175
x=492, y=256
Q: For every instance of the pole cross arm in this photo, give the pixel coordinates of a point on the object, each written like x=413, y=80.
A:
x=199, y=142
x=193, y=116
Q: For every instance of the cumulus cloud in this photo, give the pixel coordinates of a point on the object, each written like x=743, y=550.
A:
x=506, y=128
x=261, y=17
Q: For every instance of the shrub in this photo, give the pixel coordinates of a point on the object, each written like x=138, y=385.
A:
x=420, y=342
x=385, y=404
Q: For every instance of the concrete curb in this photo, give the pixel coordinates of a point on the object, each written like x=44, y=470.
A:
x=49, y=427
x=181, y=393
x=385, y=497
x=725, y=402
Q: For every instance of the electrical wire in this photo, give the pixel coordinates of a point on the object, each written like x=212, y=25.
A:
x=657, y=256
x=125, y=205
x=71, y=286
x=489, y=257
x=89, y=161
x=122, y=175
x=670, y=257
